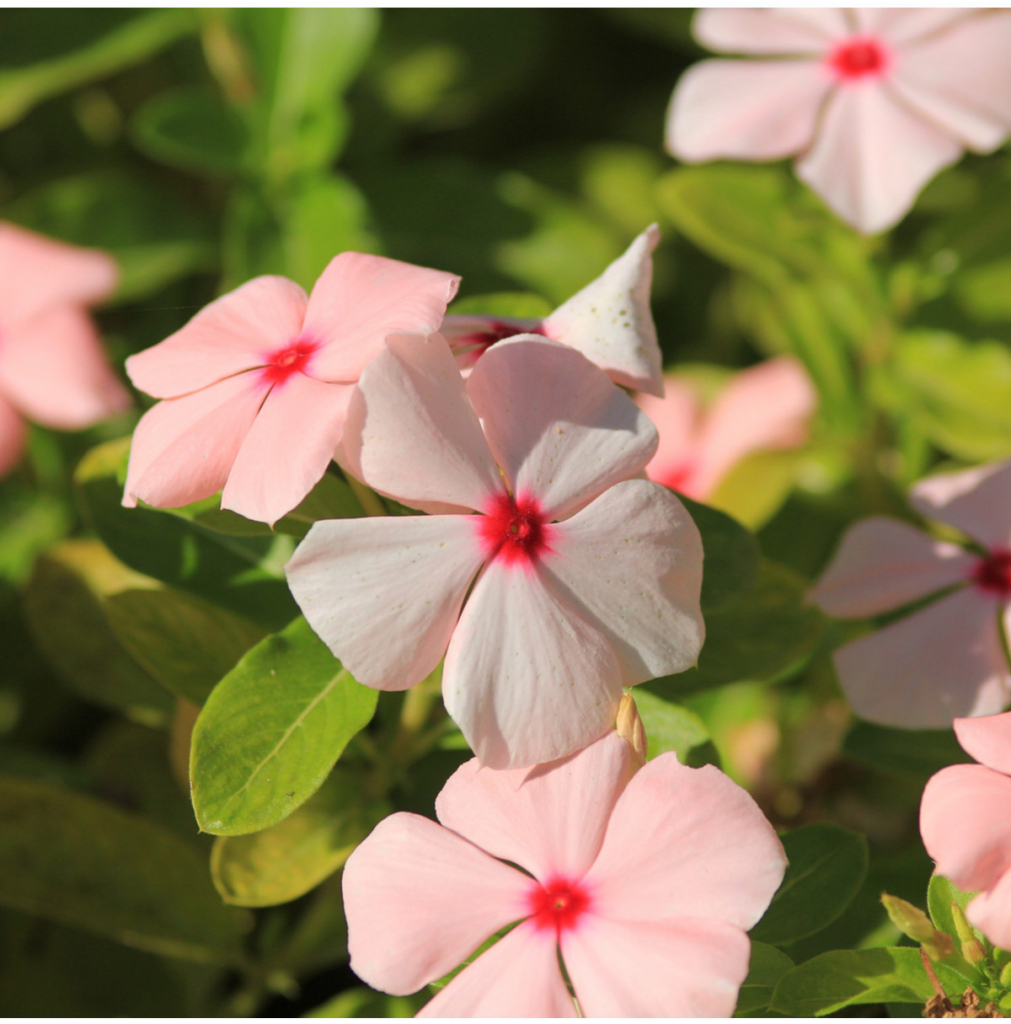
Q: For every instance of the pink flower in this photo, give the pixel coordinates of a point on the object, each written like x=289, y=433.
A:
x=52, y=367
x=589, y=581
x=965, y=821
x=609, y=321
x=946, y=660
x=873, y=101
x=766, y=406
x=646, y=887
x=257, y=384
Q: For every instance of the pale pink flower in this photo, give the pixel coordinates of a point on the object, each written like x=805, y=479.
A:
x=872, y=101
x=946, y=660
x=587, y=580
x=764, y=407
x=609, y=321
x=52, y=367
x=257, y=384
x=965, y=821
x=647, y=887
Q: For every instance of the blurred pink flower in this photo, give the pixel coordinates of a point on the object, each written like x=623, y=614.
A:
x=257, y=384
x=873, y=101
x=52, y=367
x=965, y=821
x=766, y=406
x=589, y=581
x=609, y=321
x=946, y=660
x=647, y=889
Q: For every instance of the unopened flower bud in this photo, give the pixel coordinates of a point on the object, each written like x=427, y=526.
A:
x=914, y=922
x=631, y=730
x=1005, y=975
x=972, y=948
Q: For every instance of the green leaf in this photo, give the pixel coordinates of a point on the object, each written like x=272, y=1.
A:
x=669, y=726
x=919, y=752
x=363, y=1003
x=511, y=305
x=767, y=966
x=27, y=527
x=271, y=731
x=827, y=866
x=730, y=554
x=285, y=861
x=76, y=860
x=985, y=291
x=941, y=893
x=756, y=487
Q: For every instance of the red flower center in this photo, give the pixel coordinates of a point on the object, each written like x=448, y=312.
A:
x=857, y=58
x=514, y=530
x=474, y=344
x=993, y=574
x=557, y=905
x=283, y=362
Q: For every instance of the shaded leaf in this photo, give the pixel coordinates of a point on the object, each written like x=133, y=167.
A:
x=919, y=752
x=730, y=552
x=668, y=726
x=766, y=967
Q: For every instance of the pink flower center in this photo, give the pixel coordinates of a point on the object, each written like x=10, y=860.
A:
x=514, y=530
x=557, y=905
x=858, y=58
x=283, y=362
x=474, y=345
x=993, y=574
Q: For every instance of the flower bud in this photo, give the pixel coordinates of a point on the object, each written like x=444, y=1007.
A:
x=631, y=730
x=972, y=948
x=1005, y=975
x=914, y=922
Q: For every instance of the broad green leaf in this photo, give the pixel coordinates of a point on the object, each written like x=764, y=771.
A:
x=271, y=731
x=847, y=977
x=985, y=291
x=668, y=726
x=285, y=861
x=513, y=305
x=767, y=966
x=941, y=893
x=919, y=752
x=827, y=866
x=730, y=555
x=27, y=527
x=755, y=489
x=79, y=861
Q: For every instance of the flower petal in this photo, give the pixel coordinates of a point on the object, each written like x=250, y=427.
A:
x=987, y=739
x=54, y=369
x=470, y=335
x=685, y=968
x=234, y=333
x=560, y=430
x=412, y=432
x=287, y=449
x=882, y=564
x=419, y=900
x=610, y=321
x=517, y=977
x=676, y=417
x=183, y=448
x=710, y=854
x=746, y=109
x=12, y=436
x=941, y=663
x=785, y=31
x=630, y=564
x=384, y=594
x=525, y=678
x=904, y=25
x=549, y=819
x=976, y=501
x=990, y=911
x=360, y=300
x=871, y=157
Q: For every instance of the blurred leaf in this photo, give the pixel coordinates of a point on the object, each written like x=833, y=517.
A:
x=512, y=305
x=827, y=867
x=251, y=242
x=620, y=181
x=919, y=752
x=320, y=937
x=28, y=526
x=941, y=893
x=731, y=555
x=767, y=966
x=985, y=292
x=271, y=731
x=363, y=1003
x=756, y=487
x=668, y=726
x=76, y=860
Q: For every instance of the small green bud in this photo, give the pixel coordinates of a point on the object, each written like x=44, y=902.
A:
x=972, y=948
x=914, y=922
x=1005, y=976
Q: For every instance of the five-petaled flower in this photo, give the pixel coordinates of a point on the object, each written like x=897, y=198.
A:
x=589, y=580
x=874, y=101
x=646, y=887
x=256, y=386
x=946, y=660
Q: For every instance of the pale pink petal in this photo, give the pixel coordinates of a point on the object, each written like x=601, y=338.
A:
x=746, y=109
x=384, y=594
x=685, y=968
x=288, y=448
x=610, y=321
x=883, y=564
x=234, y=333
x=560, y=430
x=360, y=300
x=987, y=739
x=12, y=436
x=412, y=432
x=549, y=819
x=183, y=448
x=767, y=406
x=903, y=25
x=517, y=977
x=676, y=417
x=470, y=335
x=54, y=369
x=785, y=31
x=630, y=564
x=38, y=273
x=941, y=663
x=710, y=854
x=976, y=501
x=525, y=678
x=990, y=911
x=871, y=157
x=419, y=900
